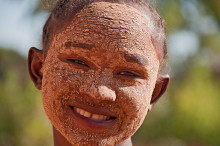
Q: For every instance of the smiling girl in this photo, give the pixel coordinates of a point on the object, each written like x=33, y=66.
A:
x=99, y=70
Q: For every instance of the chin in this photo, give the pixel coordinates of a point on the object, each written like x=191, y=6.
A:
x=81, y=136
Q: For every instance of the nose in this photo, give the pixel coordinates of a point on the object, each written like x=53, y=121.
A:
x=99, y=93
x=99, y=87
x=106, y=93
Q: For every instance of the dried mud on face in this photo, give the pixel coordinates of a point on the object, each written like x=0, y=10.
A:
x=93, y=62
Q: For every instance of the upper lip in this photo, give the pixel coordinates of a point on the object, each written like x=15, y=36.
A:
x=94, y=109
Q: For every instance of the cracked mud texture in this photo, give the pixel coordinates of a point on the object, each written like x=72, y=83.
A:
x=108, y=45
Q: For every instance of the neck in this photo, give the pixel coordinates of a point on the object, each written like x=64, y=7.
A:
x=127, y=142
x=59, y=140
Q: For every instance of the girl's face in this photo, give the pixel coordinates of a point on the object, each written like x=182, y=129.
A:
x=99, y=75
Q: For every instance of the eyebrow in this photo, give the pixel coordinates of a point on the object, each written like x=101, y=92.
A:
x=78, y=45
x=135, y=59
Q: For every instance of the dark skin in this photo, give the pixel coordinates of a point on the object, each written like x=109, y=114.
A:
x=35, y=61
x=59, y=140
x=44, y=73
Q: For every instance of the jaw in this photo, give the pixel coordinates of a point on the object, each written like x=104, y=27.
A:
x=60, y=140
x=68, y=122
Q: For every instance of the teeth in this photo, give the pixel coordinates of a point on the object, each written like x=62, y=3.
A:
x=95, y=117
x=90, y=115
x=101, y=117
x=78, y=110
x=81, y=112
x=87, y=114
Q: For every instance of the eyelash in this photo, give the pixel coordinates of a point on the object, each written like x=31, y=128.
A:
x=78, y=62
x=127, y=74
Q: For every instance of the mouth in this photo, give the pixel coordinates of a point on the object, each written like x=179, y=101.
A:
x=93, y=118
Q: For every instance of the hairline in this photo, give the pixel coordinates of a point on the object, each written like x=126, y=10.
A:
x=134, y=4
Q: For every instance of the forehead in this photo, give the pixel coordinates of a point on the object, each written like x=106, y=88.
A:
x=112, y=11
x=108, y=25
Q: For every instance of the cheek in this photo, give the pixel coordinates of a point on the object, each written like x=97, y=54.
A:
x=52, y=89
x=56, y=89
x=59, y=83
x=60, y=86
x=135, y=101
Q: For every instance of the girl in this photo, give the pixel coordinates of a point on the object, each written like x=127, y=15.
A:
x=99, y=69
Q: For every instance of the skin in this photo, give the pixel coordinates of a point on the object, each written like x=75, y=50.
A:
x=102, y=60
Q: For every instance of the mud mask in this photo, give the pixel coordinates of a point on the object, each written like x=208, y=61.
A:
x=99, y=75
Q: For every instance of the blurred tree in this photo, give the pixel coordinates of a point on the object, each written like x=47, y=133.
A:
x=186, y=115
x=22, y=120
x=213, y=8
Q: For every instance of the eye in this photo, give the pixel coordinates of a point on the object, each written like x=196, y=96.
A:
x=128, y=74
x=78, y=62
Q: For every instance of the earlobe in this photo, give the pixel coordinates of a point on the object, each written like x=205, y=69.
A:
x=35, y=63
x=160, y=88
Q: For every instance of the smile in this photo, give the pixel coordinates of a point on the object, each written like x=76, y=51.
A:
x=90, y=115
x=94, y=118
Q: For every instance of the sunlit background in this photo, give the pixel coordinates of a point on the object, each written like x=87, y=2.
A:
x=188, y=115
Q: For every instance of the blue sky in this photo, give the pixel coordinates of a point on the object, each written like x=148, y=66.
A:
x=19, y=29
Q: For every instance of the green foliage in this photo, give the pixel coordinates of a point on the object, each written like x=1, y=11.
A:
x=22, y=121
x=171, y=12
x=196, y=105
x=213, y=7
x=189, y=114
x=186, y=115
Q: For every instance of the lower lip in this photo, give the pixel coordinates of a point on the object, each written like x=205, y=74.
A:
x=92, y=124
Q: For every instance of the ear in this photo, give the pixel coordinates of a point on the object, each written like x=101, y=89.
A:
x=160, y=88
x=35, y=62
